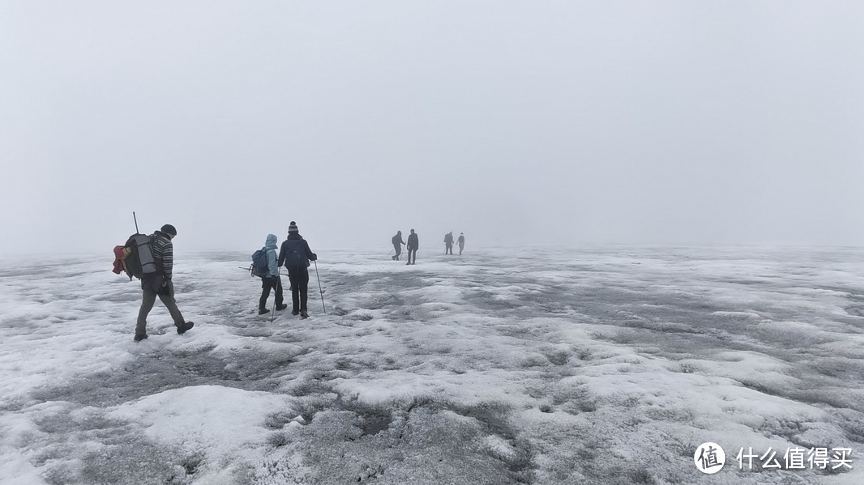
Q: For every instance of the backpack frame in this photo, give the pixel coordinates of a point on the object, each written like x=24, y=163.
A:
x=139, y=261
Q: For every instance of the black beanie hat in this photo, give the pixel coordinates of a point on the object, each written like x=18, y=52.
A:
x=169, y=229
x=293, y=227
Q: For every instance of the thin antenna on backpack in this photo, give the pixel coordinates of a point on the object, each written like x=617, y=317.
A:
x=136, y=223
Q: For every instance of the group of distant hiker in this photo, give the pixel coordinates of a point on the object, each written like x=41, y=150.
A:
x=448, y=243
x=151, y=258
x=413, y=245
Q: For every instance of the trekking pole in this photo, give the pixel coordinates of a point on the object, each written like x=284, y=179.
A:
x=319, y=287
x=136, y=222
x=278, y=283
x=388, y=254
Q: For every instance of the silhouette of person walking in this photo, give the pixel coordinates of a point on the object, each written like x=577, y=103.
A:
x=448, y=243
x=413, y=246
x=397, y=244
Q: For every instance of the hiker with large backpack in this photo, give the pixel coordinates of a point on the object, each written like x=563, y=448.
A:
x=157, y=282
x=413, y=246
x=397, y=244
x=270, y=279
x=295, y=255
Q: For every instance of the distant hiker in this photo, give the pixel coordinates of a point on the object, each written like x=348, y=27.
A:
x=461, y=243
x=160, y=284
x=295, y=255
x=397, y=244
x=448, y=243
x=271, y=280
x=413, y=246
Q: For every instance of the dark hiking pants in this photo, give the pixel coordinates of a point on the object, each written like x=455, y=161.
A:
x=412, y=252
x=166, y=294
x=398, y=249
x=299, y=278
x=268, y=284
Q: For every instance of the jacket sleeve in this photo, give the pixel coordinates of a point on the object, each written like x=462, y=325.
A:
x=272, y=267
x=168, y=259
x=282, y=255
x=309, y=254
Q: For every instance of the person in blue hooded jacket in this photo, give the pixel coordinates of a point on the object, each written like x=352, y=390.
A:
x=272, y=279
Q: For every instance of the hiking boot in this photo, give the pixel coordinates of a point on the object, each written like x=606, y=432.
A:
x=262, y=311
x=139, y=338
x=295, y=312
x=304, y=315
x=281, y=307
x=186, y=327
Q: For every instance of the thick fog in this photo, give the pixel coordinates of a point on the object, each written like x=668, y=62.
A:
x=677, y=122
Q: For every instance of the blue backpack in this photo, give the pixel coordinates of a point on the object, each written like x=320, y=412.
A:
x=260, y=267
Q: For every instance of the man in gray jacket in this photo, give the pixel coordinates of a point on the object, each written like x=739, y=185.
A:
x=160, y=284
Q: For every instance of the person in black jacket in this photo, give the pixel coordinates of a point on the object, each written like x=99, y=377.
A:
x=295, y=255
x=413, y=246
x=397, y=244
x=160, y=284
x=448, y=243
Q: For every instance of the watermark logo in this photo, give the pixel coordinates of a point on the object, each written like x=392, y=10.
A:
x=797, y=458
x=709, y=458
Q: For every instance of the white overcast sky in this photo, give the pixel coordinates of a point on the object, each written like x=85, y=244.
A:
x=679, y=122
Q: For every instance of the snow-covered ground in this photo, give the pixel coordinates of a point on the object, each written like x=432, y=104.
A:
x=499, y=366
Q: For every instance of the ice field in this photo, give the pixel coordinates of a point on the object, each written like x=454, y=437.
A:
x=502, y=366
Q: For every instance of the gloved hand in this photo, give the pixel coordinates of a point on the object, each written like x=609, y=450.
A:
x=167, y=287
x=314, y=257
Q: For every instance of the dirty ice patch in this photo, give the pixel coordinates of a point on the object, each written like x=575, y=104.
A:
x=185, y=417
x=743, y=366
x=223, y=342
x=441, y=292
x=468, y=389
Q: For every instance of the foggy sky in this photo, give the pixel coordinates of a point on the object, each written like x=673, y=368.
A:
x=675, y=122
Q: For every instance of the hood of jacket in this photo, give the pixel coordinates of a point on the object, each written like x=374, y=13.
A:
x=271, y=242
